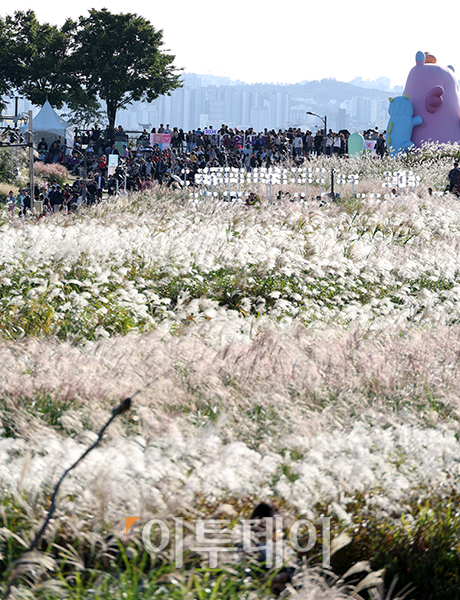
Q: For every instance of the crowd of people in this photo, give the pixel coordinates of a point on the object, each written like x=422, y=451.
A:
x=51, y=199
x=141, y=165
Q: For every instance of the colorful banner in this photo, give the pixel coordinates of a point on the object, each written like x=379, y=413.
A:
x=369, y=146
x=162, y=139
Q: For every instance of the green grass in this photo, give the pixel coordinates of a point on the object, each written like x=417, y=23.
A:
x=420, y=547
x=49, y=313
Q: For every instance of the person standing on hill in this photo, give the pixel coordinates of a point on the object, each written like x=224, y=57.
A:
x=309, y=142
x=298, y=145
x=55, y=198
x=10, y=202
x=27, y=204
x=381, y=147
x=318, y=143
x=452, y=186
x=91, y=189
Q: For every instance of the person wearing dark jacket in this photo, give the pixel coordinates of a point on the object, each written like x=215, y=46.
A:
x=26, y=203
x=91, y=189
x=55, y=198
x=452, y=186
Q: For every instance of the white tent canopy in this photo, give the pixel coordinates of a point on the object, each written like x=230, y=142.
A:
x=49, y=125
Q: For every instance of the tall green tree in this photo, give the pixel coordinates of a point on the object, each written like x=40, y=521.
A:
x=38, y=58
x=5, y=65
x=120, y=59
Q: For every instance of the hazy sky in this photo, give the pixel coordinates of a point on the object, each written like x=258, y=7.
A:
x=285, y=41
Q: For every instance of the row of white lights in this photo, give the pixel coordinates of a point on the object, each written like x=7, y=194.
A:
x=223, y=177
x=217, y=181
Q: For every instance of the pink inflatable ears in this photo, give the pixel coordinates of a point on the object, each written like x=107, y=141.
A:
x=434, y=99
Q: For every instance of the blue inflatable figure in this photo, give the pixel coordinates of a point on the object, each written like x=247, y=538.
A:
x=400, y=125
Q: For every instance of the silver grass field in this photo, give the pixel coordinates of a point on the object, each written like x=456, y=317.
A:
x=305, y=354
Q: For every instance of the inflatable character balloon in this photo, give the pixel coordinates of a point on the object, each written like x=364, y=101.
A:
x=435, y=96
x=401, y=124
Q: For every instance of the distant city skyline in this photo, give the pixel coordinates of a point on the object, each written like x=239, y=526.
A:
x=287, y=42
x=207, y=101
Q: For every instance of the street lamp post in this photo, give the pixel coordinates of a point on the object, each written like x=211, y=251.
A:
x=324, y=120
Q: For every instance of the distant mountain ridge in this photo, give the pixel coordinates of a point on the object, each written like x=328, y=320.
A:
x=321, y=90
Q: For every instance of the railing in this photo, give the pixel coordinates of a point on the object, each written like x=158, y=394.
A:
x=231, y=183
x=399, y=180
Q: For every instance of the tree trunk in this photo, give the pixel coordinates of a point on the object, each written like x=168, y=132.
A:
x=111, y=113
